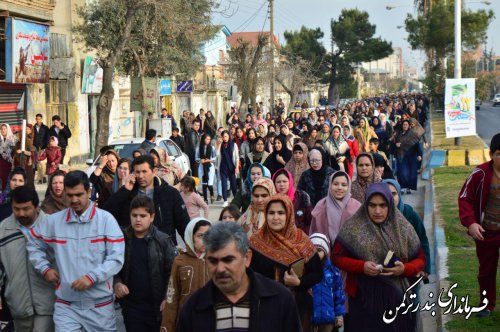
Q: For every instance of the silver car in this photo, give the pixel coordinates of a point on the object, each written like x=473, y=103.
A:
x=496, y=100
x=126, y=146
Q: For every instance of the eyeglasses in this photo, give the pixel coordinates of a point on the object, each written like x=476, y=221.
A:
x=315, y=161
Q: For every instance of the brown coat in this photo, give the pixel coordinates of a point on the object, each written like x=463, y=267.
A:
x=189, y=273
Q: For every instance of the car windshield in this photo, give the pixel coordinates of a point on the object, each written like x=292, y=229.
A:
x=126, y=150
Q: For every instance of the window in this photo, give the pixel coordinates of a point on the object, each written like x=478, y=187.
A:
x=171, y=148
x=58, y=99
x=59, y=46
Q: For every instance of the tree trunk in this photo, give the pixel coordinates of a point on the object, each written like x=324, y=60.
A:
x=333, y=81
x=107, y=92
x=104, y=108
x=144, y=110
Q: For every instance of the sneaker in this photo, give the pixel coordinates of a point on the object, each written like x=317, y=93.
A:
x=483, y=313
x=219, y=198
x=225, y=204
x=212, y=199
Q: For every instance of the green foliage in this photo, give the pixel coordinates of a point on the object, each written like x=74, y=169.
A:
x=306, y=44
x=484, y=86
x=434, y=33
x=352, y=38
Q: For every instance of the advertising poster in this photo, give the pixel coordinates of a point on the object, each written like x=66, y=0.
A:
x=27, y=52
x=92, y=76
x=165, y=87
x=459, y=107
x=137, y=94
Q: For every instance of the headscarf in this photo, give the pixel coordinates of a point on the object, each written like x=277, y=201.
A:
x=188, y=235
x=291, y=187
x=396, y=185
x=7, y=146
x=409, y=138
x=318, y=176
x=330, y=214
x=167, y=170
x=248, y=180
x=336, y=147
x=365, y=132
x=141, y=151
x=253, y=219
x=349, y=138
x=384, y=121
x=298, y=168
x=368, y=241
x=360, y=185
x=285, y=246
x=52, y=204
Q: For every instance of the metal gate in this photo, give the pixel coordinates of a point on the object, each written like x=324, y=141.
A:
x=12, y=104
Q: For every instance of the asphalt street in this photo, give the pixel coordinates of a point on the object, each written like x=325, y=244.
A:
x=488, y=121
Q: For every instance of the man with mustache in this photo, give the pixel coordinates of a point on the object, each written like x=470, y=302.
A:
x=29, y=297
x=237, y=298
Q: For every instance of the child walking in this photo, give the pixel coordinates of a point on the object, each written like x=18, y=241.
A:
x=149, y=255
x=193, y=201
x=189, y=272
x=328, y=295
x=53, y=155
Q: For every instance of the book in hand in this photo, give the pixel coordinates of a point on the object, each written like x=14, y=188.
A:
x=390, y=259
x=297, y=267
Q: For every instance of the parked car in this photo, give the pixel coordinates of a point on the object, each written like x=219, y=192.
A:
x=496, y=100
x=126, y=146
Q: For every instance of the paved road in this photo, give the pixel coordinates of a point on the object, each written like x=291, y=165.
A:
x=488, y=121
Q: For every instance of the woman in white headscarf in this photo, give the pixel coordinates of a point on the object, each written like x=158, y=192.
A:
x=7, y=144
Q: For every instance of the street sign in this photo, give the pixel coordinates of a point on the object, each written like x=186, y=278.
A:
x=185, y=86
x=165, y=87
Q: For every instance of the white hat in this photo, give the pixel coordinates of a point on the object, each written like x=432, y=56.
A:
x=321, y=242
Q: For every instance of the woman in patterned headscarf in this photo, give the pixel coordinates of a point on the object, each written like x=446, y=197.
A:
x=361, y=248
x=253, y=218
x=337, y=148
x=366, y=175
x=363, y=134
x=7, y=143
x=277, y=245
x=298, y=163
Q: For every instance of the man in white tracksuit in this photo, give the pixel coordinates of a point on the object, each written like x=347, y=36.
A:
x=89, y=250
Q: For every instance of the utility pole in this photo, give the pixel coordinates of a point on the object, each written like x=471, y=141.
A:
x=271, y=39
x=458, y=46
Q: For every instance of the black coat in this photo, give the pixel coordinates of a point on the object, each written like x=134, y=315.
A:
x=272, y=308
x=161, y=255
x=170, y=210
x=40, y=137
x=192, y=140
x=63, y=136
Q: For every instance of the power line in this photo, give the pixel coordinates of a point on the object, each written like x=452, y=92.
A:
x=251, y=18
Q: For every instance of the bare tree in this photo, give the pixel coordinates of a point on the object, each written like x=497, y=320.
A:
x=246, y=63
x=294, y=74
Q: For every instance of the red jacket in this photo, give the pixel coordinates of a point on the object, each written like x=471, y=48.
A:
x=53, y=155
x=353, y=266
x=474, y=194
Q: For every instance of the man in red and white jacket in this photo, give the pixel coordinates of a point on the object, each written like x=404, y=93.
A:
x=479, y=210
x=89, y=250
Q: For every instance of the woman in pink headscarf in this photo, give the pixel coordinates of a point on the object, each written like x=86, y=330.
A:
x=332, y=211
x=284, y=184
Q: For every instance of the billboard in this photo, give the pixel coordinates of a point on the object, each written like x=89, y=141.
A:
x=460, y=107
x=92, y=76
x=27, y=52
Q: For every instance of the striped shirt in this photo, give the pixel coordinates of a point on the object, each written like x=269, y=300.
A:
x=232, y=317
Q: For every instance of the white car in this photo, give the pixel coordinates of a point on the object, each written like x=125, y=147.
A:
x=496, y=100
x=126, y=146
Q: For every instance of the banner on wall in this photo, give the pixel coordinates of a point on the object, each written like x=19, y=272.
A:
x=165, y=87
x=460, y=107
x=92, y=76
x=137, y=94
x=27, y=52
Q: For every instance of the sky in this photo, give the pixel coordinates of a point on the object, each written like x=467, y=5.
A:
x=290, y=15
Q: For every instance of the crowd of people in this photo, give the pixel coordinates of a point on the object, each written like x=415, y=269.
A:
x=317, y=205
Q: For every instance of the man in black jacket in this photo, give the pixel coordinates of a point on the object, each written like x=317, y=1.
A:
x=170, y=210
x=149, y=255
x=192, y=140
x=62, y=132
x=40, y=141
x=235, y=291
